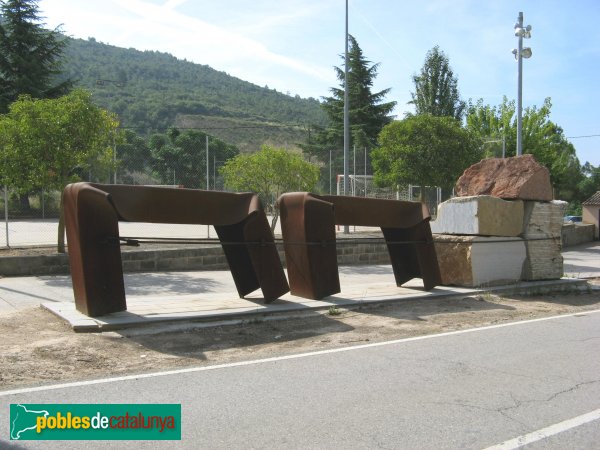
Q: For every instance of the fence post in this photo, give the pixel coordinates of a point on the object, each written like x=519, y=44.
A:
x=365, y=171
x=6, y=214
x=114, y=157
x=207, y=180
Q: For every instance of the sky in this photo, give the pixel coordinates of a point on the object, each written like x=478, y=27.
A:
x=293, y=45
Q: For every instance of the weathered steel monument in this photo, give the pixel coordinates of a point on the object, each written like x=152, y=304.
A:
x=308, y=227
x=92, y=215
x=93, y=212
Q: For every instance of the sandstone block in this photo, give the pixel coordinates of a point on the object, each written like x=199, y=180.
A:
x=544, y=260
x=543, y=220
x=479, y=215
x=519, y=177
x=472, y=261
x=542, y=226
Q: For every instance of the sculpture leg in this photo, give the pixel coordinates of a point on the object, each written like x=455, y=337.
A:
x=94, y=252
x=238, y=258
x=256, y=263
x=265, y=257
x=412, y=254
x=308, y=228
x=427, y=257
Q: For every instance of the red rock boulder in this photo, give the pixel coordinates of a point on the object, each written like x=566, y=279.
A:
x=519, y=177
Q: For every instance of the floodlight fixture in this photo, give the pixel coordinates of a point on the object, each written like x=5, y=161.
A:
x=523, y=32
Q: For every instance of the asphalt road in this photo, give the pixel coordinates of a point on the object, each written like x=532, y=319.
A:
x=461, y=390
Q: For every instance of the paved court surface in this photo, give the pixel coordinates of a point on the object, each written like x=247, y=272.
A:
x=44, y=232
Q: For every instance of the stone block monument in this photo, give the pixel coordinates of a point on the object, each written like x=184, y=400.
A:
x=502, y=227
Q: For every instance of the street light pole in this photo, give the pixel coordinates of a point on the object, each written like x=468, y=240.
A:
x=520, y=53
x=520, y=91
x=346, y=118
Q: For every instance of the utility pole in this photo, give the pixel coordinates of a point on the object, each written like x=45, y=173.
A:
x=346, y=118
x=207, y=181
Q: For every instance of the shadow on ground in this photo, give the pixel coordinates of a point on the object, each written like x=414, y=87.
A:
x=154, y=283
x=410, y=314
x=241, y=338
x=421, y=309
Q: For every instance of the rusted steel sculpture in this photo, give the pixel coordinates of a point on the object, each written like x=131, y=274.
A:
x=92, y=213
x=308, y=226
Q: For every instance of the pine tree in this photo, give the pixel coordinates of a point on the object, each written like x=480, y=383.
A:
x=436, y=90
x=29, y=54
x=368, y=113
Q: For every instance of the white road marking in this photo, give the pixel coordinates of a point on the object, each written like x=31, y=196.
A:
x=282, y=358
x=547, y=432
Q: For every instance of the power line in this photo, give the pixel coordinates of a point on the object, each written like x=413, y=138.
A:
x=587, y=136
x=234, y=127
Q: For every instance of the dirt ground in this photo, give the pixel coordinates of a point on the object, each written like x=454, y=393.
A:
x=38, y=348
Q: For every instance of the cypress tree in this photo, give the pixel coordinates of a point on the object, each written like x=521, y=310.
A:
x=368, y=113
x=436, y=90
x=29, y=54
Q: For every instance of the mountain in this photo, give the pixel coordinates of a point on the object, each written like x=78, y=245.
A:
x=152, y=91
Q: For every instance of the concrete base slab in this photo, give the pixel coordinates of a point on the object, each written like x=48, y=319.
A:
x=216, y=310
x=225, y=306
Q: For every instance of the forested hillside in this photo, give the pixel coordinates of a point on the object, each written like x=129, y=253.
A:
x=152, y=91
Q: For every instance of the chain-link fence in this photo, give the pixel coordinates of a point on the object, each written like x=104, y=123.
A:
x=188, y=159
x=176, y=158
x=30, y=219
x=364, y=186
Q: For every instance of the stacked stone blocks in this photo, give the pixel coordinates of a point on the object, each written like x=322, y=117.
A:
x=503, y=226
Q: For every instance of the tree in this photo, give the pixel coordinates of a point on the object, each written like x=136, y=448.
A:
x=541, y=138
x=436, y=90
x=134, y=159
x=29, y=54
x=588, y=186
x=368, y=113
x=424, y=150
x=157, y=90
x=180, y=157
x=52, y=142
x=591, y=183
x=494, y=124
x=270, y=173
